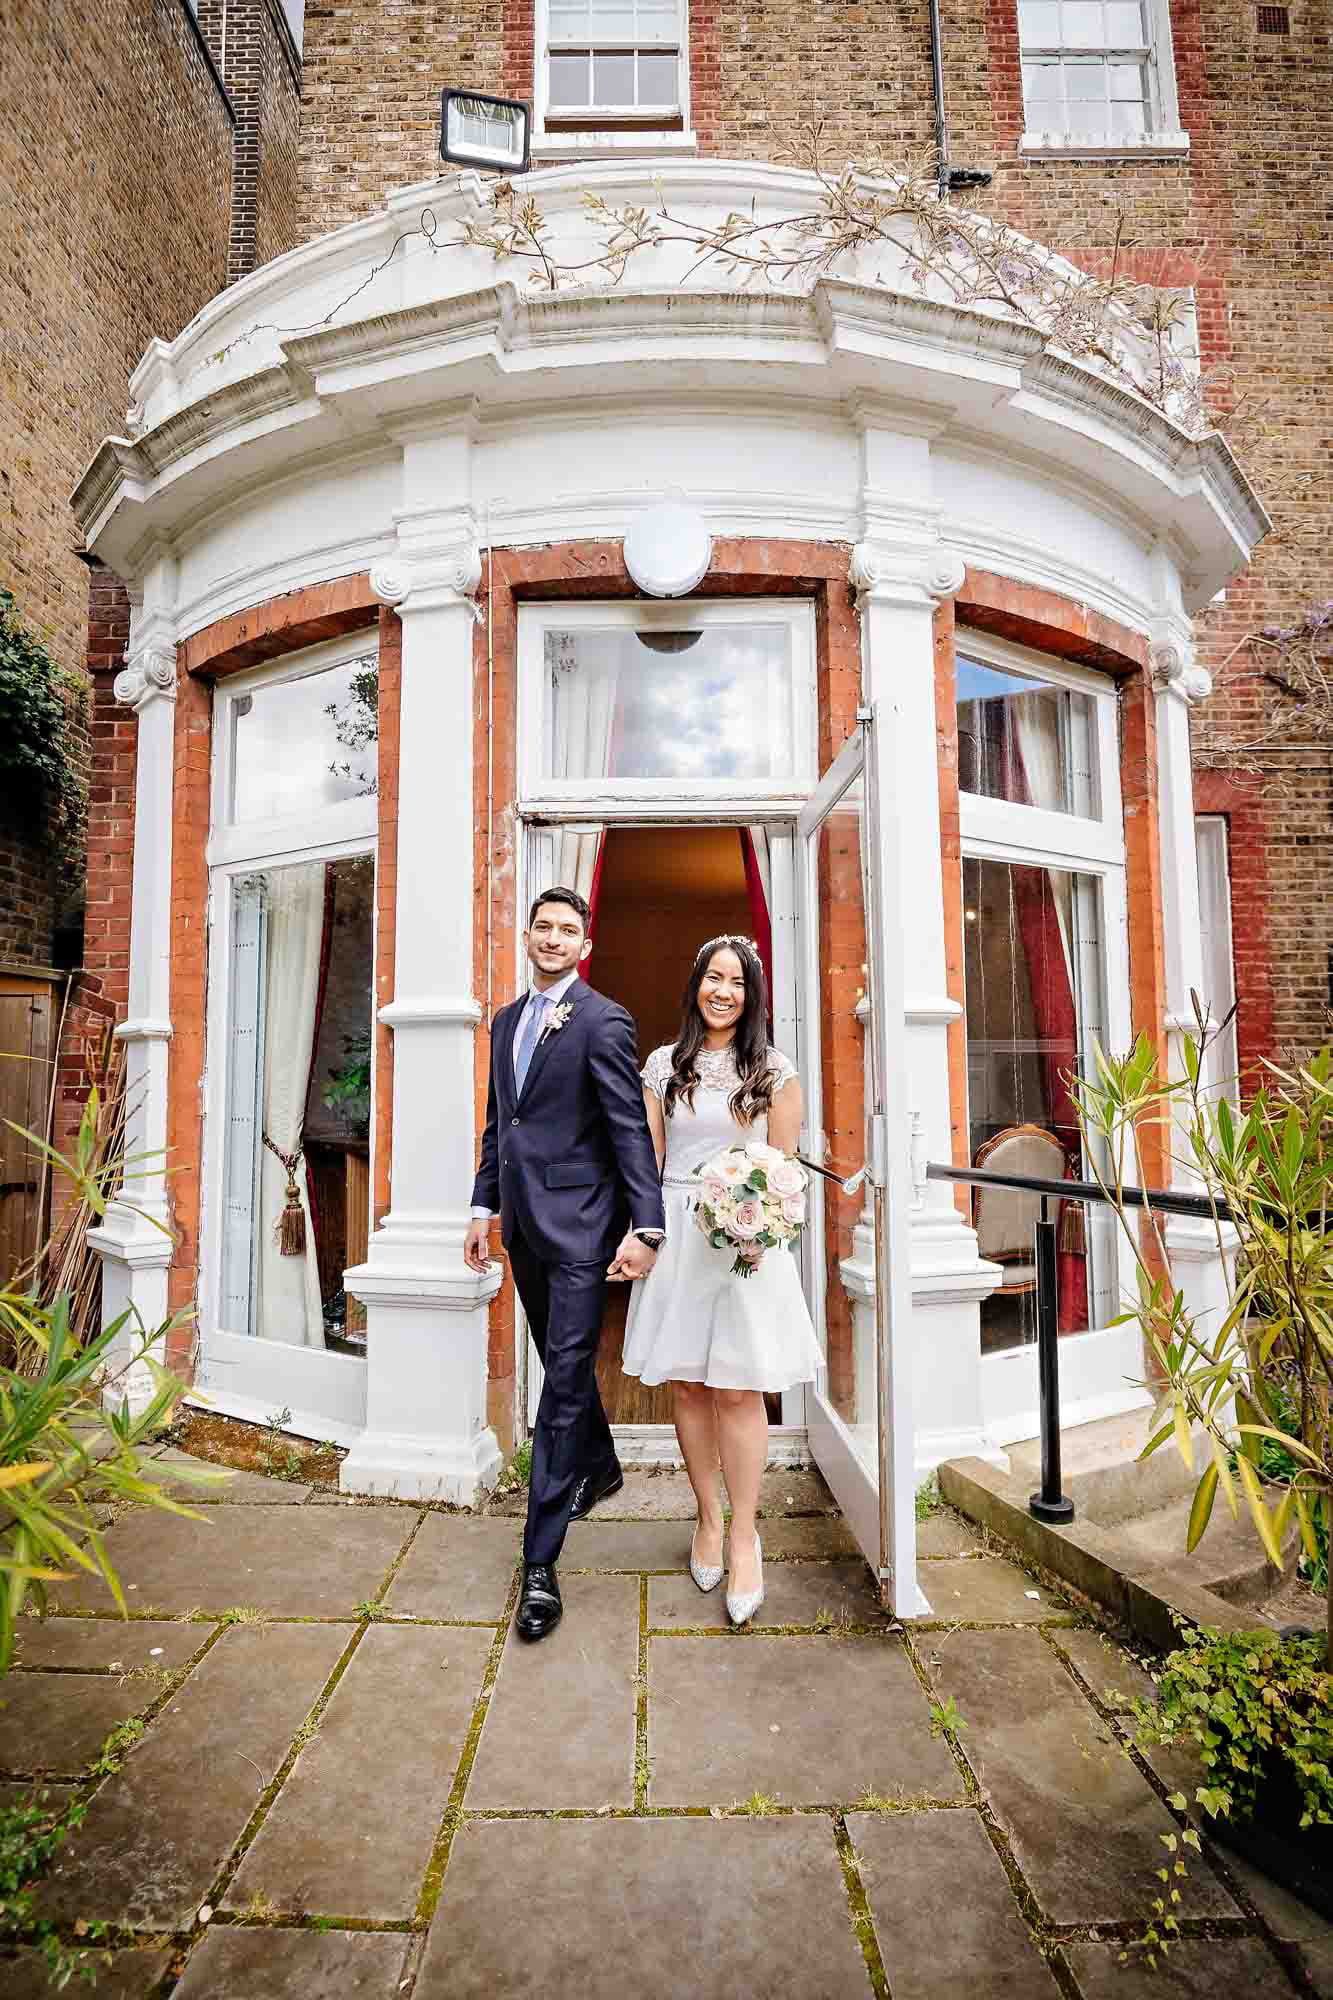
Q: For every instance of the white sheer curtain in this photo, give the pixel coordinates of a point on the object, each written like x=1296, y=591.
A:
x=290, y=1307
x=1035, y=724
x=585, y=674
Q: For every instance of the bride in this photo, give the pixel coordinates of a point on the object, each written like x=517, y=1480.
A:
x=722, y=1341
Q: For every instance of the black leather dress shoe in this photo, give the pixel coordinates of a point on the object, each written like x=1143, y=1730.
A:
x=595, y=1486
x=539, y=1605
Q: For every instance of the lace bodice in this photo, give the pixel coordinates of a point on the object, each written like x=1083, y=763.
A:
x=695, y=1133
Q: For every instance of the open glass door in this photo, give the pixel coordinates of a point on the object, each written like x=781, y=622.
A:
x=860, y=1432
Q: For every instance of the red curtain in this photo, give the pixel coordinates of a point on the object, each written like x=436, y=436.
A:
x=760, y=922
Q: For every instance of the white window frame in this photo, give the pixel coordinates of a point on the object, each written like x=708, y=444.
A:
x=1164, y=135
x=1212, y=842
x=617, y=129
x=612, y=799
x=331, y=833
x=998, y=830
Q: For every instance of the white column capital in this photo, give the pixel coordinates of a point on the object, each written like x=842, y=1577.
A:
x=1175, y=670
x=430, y=579
x=885, y=571
x=148, y=675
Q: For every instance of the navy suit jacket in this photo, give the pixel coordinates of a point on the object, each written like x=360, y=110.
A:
x=570, y=1162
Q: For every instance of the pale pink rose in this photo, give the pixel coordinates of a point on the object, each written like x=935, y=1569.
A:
x=793, y=1208
x=713, y=1188
x=747, y=1222
x=751, y=1253
x=786, y=1178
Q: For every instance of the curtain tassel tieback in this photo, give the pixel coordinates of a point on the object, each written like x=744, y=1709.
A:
x=290, y=1230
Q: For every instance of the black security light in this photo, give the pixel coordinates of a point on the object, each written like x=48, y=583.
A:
x=493, y=133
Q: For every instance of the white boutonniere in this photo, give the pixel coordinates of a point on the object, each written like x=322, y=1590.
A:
x=559, y=1016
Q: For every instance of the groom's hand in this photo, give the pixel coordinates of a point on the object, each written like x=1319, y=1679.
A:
x=477, y=1245
x=634, y=1259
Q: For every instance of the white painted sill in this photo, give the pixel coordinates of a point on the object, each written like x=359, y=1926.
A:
x=1074, y=146
x=615, y=145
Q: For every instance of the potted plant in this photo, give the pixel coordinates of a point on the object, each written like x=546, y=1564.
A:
x=1256, y=1388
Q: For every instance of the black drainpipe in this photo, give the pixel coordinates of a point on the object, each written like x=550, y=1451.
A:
x=950, y=178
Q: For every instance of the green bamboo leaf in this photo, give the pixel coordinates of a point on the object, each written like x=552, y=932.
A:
x=1258, y=1511
x=1201, y=1509
x=1184, y=1441
x=1225, y=1480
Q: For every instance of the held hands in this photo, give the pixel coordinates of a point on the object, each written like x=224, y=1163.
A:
x=633, y=1259
x=477, y=1245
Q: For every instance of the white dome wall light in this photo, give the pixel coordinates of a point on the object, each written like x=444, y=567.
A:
x=668, y=548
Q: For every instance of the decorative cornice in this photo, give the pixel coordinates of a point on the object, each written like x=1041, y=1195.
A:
x=1175, y=673
x=146, y=676
x=895, y=573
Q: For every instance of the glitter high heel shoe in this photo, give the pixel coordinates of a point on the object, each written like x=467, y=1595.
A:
x=742, y=1605
x=707, y=1575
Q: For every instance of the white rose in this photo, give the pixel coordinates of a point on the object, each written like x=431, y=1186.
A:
x=786, y=1178
x=763, y=1154
x=793, y=1208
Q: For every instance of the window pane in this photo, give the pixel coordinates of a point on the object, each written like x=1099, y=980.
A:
x=658, y=21
x=302, y=744
x=1127, y=82
x=710, y=703
x=1082, y=24
x=1124, y=26
x=1041, y=84
x=657, y=79
x=298, y=1042
x=613, y=79
x=613, y=20
x=1039, y=24
x=1128, y=121
x=567, y=80
x=1025, y=740
x=570, y=20
x=1086, y=82
x=1034, y=979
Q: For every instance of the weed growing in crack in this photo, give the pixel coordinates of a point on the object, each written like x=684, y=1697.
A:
x=759, y=1805
x=240, y=1614
x=112, y=1754
x=944, y=1717
x=31, y=1834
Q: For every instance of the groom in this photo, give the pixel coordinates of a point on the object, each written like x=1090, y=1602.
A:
x=566, y=1158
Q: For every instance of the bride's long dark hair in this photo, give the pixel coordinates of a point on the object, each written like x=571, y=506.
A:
x=754, y=1093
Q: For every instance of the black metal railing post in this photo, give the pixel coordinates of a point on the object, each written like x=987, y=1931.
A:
x=1050, y=1504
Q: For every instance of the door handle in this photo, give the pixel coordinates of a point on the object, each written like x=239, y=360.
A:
x=848, y=1186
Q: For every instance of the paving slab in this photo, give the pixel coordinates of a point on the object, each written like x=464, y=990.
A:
x=457, y=1568
x=1194, y=1969
x=815, y=1539
x=627, y=1545
x=1113, y=1675
x=299, y=1562
x=663, y=1493
x=158, y=1832
x=804, y=1720
x=1318, y=1962
x=113, y=1645
x=1084, y=1822
x=795, y=1594
x=934, y=1941
x=946, y=1534
x=352, y=1829
x=59, y=1722
x=225, y=1484
x=120, y=1975
x=987, y=1589
x=1286, y=1915
x=235, y=1964
x=561, y=1723
x=727, y=1909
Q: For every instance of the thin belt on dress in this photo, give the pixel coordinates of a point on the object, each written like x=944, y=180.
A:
x=681, y=1181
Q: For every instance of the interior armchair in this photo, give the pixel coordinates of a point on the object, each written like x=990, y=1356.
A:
x=1004, y=1217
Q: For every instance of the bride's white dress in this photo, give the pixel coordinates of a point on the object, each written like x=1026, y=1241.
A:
x=691, y=1319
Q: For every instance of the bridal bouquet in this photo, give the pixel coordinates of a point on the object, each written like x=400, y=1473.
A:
x=752, y=1200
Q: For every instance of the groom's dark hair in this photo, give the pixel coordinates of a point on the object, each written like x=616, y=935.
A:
x=568, y=896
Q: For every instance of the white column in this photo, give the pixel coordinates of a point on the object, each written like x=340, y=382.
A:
x=902, y=571
x=1200, y=1251
x=133, y=1239
x=426, y=1433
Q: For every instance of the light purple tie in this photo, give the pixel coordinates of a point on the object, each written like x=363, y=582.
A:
x=527, y=1040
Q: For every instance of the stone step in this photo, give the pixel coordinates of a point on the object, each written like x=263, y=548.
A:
x=1229, y=1559
x=1101, y=1471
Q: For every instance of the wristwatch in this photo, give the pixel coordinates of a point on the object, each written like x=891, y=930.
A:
x=654, y=1238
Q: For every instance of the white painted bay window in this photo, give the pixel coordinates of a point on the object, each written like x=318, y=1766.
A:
x=1098, y=77
x=291, y=980
x=1045, y=976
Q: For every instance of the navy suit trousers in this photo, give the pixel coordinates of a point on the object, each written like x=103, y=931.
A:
x=563, y=1303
